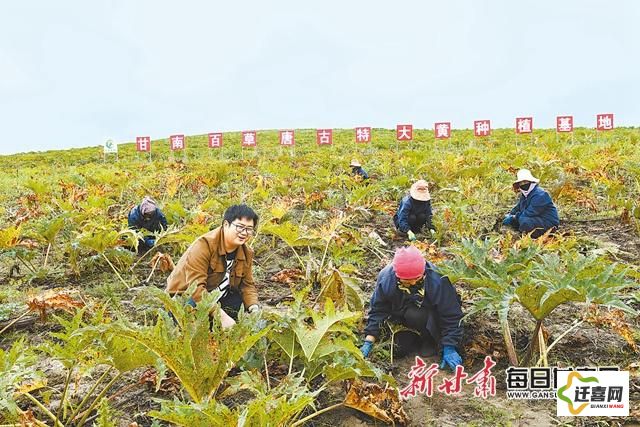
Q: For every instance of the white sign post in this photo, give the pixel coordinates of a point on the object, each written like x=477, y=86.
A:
x=110, y=147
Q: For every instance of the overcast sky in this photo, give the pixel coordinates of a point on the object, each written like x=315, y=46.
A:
x=73, y=73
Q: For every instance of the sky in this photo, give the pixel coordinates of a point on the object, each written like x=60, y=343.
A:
x=74, y=73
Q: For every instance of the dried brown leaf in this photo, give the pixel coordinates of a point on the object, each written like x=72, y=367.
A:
x=288, y=276
x=169, y=385
x=27, y=419
x=373, y=400
x=28, y=243
x=163, y=261
x=625, y=216
x=53, y=300
x=430, y=251
x=615, y=320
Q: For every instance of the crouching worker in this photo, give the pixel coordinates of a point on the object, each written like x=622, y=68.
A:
x=147, y=216
x=411, y=292
x=414, y=211
x=221, y=259
x=535, y=212
x=357, y=171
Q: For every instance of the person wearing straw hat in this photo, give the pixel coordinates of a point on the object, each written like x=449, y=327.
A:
x=535, y=212
x=414, y=211
x=357, y=171
x=410, y=291
x=147, y=216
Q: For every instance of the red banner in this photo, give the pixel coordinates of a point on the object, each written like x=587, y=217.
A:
x=324, y=136
x=249, y=138
x=404, y=132
x=177, y=142
x=604, y=121
x=442, y=130
x=482, y=127
x=363, y=135
x=524, y=125
x=215, y=140
x=564, y=124
x=287, y=138
x=143, y=143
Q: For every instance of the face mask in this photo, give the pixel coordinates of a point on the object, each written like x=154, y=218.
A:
x=409, y=287
x=525, y=187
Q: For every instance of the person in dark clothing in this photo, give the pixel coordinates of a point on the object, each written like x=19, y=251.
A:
x=147, y=216
x=357, y=171
x=535, y=212
x=414, y=211
x=410, y=291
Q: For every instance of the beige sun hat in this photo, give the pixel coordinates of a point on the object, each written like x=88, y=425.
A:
x=525, y=175
x=420, y=190
x=354, y=163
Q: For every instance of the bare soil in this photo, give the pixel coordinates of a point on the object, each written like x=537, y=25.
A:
x=587, y=346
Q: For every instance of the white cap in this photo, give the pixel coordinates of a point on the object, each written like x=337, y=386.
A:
x=525, y=175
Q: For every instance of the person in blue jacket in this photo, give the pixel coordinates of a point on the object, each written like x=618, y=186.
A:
x=147, y=216
x=410, y=291
x=357, y=171
x=414, y=211
x=535, y=212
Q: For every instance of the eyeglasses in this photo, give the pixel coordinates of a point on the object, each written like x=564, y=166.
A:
x=243, y=229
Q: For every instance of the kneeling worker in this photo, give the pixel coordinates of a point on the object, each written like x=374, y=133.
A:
x=220, y=259
x=414, y=211
x=357, y=170
x=147, y=216
x=410, y=291
x=535, y=212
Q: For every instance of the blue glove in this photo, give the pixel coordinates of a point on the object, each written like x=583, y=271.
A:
x=450, y=358
x=507, y=220
x=149, y=241
x=366, y=348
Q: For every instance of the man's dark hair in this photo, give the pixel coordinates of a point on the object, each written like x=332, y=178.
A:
x=240, y=211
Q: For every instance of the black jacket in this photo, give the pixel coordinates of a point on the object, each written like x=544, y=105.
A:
x=445, y=312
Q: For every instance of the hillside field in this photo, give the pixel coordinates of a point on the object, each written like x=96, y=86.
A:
x=85, y=335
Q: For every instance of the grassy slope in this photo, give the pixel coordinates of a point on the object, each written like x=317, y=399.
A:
x=471, y=180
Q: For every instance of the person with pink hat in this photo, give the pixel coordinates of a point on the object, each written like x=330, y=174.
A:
x=410, y=291
x=535, y=212
x=414, y=211
x=147, y=216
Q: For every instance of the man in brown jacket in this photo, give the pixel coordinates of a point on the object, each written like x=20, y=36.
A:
x=220, y=259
